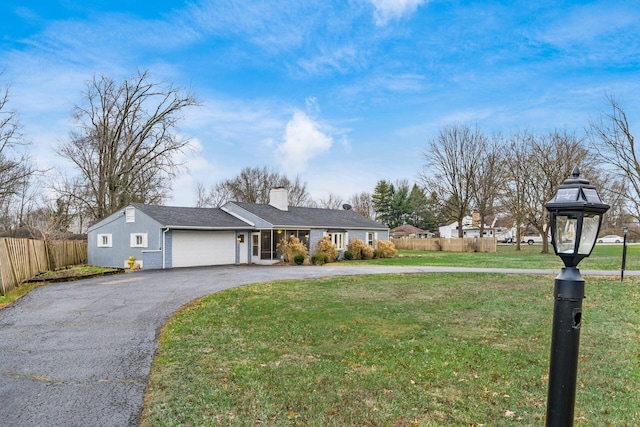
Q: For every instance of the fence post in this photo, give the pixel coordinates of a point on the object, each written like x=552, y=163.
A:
x=11, y=269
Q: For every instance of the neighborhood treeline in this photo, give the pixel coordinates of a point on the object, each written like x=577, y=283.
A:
x=125, y=146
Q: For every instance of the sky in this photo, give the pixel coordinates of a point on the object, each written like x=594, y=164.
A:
x=340, y=93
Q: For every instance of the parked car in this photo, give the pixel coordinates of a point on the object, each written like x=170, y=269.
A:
x=611, y=238
x=530, y=240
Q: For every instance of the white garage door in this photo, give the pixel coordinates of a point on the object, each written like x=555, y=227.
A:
x=192, y=248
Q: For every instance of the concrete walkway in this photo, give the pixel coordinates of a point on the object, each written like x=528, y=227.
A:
x=79, y=353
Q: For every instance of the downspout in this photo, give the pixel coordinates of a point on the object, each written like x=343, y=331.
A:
x=164, y=247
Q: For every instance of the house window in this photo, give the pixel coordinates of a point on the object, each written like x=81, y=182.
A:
x=130, y=214
x=338, y=240
x=371, y=239
x=255, y=245
x=104, y=240
x=139, y=240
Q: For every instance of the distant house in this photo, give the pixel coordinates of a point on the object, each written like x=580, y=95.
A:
x=237, y=233
x=408, y=231
x=468, y=229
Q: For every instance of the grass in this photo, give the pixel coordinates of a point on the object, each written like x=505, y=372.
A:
x=16, y=293
x=604, y=257
x=401, y=350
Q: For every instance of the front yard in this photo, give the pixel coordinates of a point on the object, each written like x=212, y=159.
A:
x=401, y=350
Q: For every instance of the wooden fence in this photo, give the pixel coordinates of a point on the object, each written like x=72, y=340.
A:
x=22, y=259
x=467, y=244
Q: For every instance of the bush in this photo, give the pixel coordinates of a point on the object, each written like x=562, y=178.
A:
x=348, y=255
x=325, y=246
x=386, y=249
x=299, y=259
x=359, y=249
x=319, y=259
x=291, y=248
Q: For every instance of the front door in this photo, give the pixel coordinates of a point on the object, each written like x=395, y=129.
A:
x=255, y=247
x=243, y=248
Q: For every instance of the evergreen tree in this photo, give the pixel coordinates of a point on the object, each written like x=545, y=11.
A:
x=381, y=199
x=400, y=211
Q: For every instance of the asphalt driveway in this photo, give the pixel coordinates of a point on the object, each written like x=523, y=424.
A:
x=79, y=353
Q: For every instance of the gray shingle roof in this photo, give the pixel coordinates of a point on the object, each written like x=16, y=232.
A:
x=213, y=218
x=310, y=217
x=190, y=217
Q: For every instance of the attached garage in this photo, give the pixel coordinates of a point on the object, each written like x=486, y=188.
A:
x=197, y=248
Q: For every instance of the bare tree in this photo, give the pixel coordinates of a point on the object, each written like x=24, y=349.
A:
x=489, y=178
x=331, y=201
x=513, y=197
x=451, y=161
x=540, y=164
x=16, y=167
x=213, y=197
x=613, y=142
x=252, y=185
x=362, y=204
x=125, y=147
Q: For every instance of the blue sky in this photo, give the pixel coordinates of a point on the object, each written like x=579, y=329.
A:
x=342, y=93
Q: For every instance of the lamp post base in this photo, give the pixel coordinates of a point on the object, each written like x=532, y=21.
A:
x=565, y=341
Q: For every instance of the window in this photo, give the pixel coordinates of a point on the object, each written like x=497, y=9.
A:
x=130, y=214
x=255, y=245
x=338, y=240
x=139, y=240
x=371, y=239
x=104, y=240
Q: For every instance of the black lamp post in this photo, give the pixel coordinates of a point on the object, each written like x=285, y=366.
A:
x=575, y=214
x=625, y=230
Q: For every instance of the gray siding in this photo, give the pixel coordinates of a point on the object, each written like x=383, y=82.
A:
x=314, y=237
x=168, y=249
x=120, y=231
x=152, y=260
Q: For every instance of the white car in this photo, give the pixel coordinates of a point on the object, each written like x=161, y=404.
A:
x=530, y=240
x=611, y=238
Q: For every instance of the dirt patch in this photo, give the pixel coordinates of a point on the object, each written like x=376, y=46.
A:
x=74, y=273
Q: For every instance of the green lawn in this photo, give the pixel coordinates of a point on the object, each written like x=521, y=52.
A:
x=604, y=257
x=393, y=350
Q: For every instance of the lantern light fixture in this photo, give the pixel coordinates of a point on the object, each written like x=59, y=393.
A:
x=575, y=215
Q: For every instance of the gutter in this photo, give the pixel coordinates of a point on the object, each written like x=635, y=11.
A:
x=195, y=227
x=164, y=248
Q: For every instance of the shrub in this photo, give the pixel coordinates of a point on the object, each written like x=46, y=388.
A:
x=325, y=246
x=291, y=248
x=348, y=255
x=299, y=259
x=386, y=249
x=359, y=249
x=319, y=259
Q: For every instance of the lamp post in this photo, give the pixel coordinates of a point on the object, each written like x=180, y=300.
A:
x=625, y=230
x=575, y=215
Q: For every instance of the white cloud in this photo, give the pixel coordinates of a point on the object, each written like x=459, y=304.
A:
x=303, y=140
x=332, y=58
x=386, y=10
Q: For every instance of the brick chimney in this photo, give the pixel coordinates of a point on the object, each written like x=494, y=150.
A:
x=279, y=198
